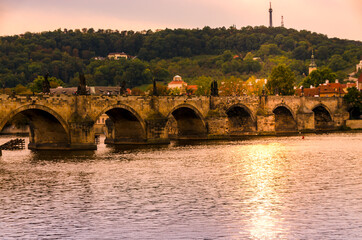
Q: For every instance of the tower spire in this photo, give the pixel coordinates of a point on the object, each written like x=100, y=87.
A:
x=312, y=65
x=270, y=16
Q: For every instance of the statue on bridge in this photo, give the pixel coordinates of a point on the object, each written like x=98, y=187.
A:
x=154, y=93
x=82, y=87
x=46, y=84
x=122, y=90
x=214, y=89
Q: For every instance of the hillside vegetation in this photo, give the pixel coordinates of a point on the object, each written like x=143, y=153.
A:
x=195, y=54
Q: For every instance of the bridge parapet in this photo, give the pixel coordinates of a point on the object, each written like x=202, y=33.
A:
x=66, y=121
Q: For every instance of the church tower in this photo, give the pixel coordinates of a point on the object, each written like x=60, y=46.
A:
x=312, y=65
x=270, y=16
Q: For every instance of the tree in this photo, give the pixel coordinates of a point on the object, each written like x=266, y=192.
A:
x=354, y=98
x=337, y=63
x=301, y=53
x=231, y=86
x=281, y=80
x=318, y=77
x=37, y=84
x=162, y=90
x=21, y=90
x=254, y=86
x=137, y=92
x=203, y=85
x=227, y=56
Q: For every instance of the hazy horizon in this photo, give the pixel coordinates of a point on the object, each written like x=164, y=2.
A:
x=334, y=18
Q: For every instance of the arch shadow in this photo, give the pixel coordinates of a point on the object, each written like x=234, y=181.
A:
x=48, y=130
x=186, y=121
x=323, y=119
x=124, y=125
x=285, y=120
x=241, y=119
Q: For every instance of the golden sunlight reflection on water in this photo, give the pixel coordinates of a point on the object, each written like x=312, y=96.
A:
x=261, y=167
x=264, y=188
x=265, y=168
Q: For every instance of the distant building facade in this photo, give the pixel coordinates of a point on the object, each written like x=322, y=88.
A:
x=117, y=56
x=359, y=66
x=325, y=90
x=100, y=124
x=179, y=84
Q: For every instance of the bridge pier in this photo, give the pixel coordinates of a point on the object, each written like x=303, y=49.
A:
x=265, y=123
x=81, y=133
x=81, y=137
x=305, y=117
x=154, y=131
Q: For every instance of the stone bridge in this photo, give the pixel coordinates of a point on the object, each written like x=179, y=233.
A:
x=67, y=121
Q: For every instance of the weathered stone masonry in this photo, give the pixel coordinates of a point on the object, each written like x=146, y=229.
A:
x=67, y=122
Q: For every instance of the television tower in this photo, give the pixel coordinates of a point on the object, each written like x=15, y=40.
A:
x=282, y=21
x=270, y=16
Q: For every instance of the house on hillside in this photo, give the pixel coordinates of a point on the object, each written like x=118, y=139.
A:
x=359, y=82
x=325, y=90
x=117, y=56
x=359, y=66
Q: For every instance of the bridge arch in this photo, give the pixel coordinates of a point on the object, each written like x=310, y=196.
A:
x=47, y=127
x=322, y=117
x=285, y=120
x=188, y=122
x=124, y=125
x=240, y=119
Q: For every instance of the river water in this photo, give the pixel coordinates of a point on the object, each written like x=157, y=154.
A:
x=261, y=188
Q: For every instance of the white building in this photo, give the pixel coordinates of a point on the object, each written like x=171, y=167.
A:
x=177, y=82
x=117, y=56
x=359, y=66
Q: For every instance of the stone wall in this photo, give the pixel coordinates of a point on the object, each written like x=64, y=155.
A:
x=354, y=124
x=68, y=120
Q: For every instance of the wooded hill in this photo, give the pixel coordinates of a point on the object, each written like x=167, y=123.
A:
x=192, y=53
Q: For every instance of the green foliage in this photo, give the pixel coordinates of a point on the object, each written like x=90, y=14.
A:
x=189, y=52
x=37, y=84
x=162, y=90
x=22, y=90
x=174, y=91
x=268, y=49
x=336, y=62
x=354, y=98
x=281, y=80
x=227, y=56
x=318, y=77
x=137, y=92
x=340, y=75
x=203, y=85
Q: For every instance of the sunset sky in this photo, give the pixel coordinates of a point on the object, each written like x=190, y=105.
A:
x=335, y=18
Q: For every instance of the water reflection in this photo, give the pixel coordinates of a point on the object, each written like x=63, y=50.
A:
x=265, y=168
x=269, y=188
